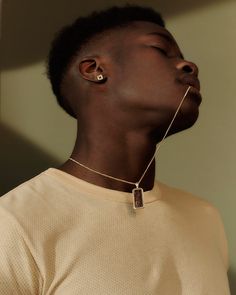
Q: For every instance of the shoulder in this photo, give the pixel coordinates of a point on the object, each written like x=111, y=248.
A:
x=39, y=206
x=189, y=205
x=202, y=214
x=29, y=192
x=27, y=203
x=32, y=186
x=182, y=198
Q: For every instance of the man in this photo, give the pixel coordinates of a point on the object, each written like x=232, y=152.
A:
x=79, y=229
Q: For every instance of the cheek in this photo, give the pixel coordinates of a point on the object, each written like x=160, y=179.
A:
x=148, y=86
x=148, y=82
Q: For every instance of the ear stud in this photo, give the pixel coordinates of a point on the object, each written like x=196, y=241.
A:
x=100, y=77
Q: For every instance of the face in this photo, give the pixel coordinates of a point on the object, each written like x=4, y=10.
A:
x=152, y=76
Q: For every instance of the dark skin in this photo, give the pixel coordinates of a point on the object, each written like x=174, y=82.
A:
x=121, y=120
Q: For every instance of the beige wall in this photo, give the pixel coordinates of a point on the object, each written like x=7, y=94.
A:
x=35, y=133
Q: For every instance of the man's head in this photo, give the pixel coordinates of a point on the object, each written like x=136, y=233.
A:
x=141, y=63
x=73, y=38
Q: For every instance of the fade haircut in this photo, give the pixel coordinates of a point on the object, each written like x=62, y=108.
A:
x=70, y=40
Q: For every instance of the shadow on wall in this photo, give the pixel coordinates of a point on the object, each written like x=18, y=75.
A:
x=232, y=281
x=28, y=25
x=20, y=160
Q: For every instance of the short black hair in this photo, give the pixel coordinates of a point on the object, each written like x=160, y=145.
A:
x=71, y=38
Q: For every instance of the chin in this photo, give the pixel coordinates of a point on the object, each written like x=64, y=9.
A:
x=185, y=121
x=188, y=120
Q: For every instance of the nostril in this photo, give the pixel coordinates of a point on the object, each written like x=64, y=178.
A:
x=188, y=69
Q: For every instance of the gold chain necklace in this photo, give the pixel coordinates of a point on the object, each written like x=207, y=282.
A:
x=138, y=191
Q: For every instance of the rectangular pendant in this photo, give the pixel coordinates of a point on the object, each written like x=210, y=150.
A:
x=137, y=198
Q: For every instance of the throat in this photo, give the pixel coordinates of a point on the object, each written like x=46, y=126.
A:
x=117, y=179
x=116, y=161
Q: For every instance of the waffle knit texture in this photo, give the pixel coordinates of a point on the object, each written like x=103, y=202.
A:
x=64, y=236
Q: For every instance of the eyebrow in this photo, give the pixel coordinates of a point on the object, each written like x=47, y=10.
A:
x=168, y=38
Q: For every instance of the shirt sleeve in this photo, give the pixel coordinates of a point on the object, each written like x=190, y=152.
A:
x=19, y=274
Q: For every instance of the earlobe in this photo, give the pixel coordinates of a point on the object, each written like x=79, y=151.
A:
x=91, y=70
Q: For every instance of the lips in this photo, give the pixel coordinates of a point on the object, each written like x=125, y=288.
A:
x=191, y=81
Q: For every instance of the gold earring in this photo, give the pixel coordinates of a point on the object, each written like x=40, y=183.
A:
x=100, y=77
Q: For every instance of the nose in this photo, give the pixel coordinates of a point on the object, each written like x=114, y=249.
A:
x=188, y=67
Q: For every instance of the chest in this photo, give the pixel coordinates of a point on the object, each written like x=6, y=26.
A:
x=152, y=257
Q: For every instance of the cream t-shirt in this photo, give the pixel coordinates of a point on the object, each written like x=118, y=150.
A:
x=64, y=236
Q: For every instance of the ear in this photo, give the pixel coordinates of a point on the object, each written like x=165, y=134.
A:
x=91, y=68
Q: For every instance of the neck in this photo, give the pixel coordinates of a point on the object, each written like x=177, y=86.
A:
x=124, y=156
x=104, y=146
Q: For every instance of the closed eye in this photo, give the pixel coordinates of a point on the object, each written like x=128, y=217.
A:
x=167, y=53
x=163, y=51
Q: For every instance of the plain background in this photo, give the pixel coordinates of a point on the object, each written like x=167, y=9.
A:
x=36, y=134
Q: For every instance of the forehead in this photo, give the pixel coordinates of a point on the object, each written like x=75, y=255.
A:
x=140, y=28
x=134, y=32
